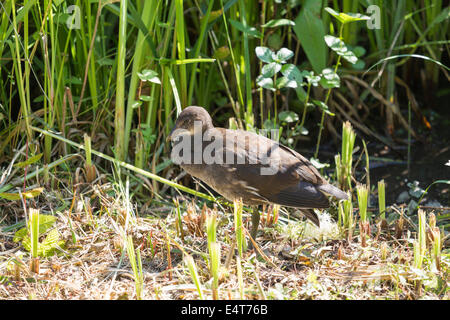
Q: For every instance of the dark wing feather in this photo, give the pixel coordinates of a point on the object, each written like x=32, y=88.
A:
x=303, y=195
x=311, y=215
x=304, y=167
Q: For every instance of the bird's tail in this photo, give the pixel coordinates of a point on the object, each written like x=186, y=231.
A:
x=311, y=215
x=333, y=191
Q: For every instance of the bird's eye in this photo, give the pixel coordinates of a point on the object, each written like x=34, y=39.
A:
x=185, y=123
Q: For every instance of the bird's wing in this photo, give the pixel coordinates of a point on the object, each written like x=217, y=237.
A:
x=274, y=172
x=305, y=169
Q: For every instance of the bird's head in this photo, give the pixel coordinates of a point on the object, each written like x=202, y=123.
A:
x=190, y=119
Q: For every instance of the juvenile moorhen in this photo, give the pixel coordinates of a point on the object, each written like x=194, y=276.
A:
x=242, y=164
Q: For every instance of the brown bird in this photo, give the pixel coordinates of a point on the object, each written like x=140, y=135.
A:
x=244, y=165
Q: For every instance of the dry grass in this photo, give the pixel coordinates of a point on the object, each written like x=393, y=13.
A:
x=300, y=261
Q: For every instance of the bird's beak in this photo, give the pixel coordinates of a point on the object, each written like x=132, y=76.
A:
x=169, y=137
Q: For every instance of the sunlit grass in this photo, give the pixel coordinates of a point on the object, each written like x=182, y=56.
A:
x=77, y=97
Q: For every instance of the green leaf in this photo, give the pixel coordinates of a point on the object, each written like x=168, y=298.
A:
x=104, y=61
x=310, y=31
x=149, y=75
x=415, y=190
x=178, y=62
x=266, y=83
x=288, y=116
x=278, y=23
x=275, y=41
x=222, y=53
x=73, y=80
x=340, y=48
x=359, y=65
x=45, y=222
x=30, y=160
x=301, y=94
x=48, y=246
x=251, y=31
x=270, y=69
x=20, y=234
x=146, y=98
x=27, y=244
x=346, y=17
x=136, y=104
x=50, y=242
x=323, y=107
x=214, y=15
x=38, y=99
x=311, y=78
x=329, y=79
x=316, y=163
x=27, y=194
x=264, y=54
x=284, y=54
x=303, y=131
x=269, y=124
x=358, y=51
x=291, y=72
x=284, y=82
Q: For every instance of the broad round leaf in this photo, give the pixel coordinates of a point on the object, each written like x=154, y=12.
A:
x=329, y=79
x=268, y=124
x=301, y=94
x=316, y=163
x=291, y=72
x=264, y=54
x=288, y=116
x=311, y=78
x=303, y=131
x=359, y=51
x=149, y=75
x=323, y=106
x=285, y=82
x=266, y=83
x=359, y=65
x=338, y=46
x=270, y=69
x=284, y=54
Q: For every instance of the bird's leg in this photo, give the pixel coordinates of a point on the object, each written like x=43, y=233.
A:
x=255, y=222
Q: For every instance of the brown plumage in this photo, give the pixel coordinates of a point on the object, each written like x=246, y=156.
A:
x=262, y=170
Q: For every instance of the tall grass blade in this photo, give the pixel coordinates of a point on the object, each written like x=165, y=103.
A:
x=119, y=119
x=240, y=240
x=189, y=261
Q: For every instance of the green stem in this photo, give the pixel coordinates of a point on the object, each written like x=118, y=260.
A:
x=275, y=106
x=149, y=15
x=261, y=93
x=247, y=69
x=119, y=120
x=233, y=59
x=197, y=50
x=326, y=99
x=306, y=105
